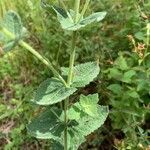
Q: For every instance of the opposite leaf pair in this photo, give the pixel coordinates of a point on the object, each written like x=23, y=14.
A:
x=66, y=18
x=52, y=91
x=81, y=115
x=50, y=124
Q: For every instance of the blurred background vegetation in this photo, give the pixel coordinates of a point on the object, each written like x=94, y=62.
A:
x=120, y=42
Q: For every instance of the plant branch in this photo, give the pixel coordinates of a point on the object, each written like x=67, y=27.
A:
x=36, y=54
x=72, y=59
x=69, y=80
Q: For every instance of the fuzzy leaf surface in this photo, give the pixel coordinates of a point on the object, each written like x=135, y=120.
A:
x=69, y=24
x=89, y=104
x=47, y=125
x=83, y=74
x=12, y=22
x=78, y=130
x=52, y=91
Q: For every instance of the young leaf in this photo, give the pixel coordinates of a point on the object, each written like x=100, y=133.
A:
x=69, y=24
x=89, y=104
x=83, y=73
x=47, y=125
x=86, y=105
x=52, y=91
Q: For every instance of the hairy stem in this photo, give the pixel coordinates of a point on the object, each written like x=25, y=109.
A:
x=72, y=58
x=69, y=80
x=70, y=74
x=36, y=54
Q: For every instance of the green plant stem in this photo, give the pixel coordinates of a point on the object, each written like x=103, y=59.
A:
x=36, y=54
x=70, y=74
x=69, y=80
x=72, y=59
x=66, y=125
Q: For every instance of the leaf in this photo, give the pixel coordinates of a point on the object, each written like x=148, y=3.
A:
x=47, y=125
x=115, y=88
x=89, y=104
x=12, y=22
x=75, y=112
x=86, y=105
x=57, y=146
x=83, y=74
x=52, y=91
x=115, y=73
x=127, y=77
x=69, y=24
x=85, y=126
x=9, y=46
x=140, y=35
x=98, y=16
x=133, y=94
x=121, y=63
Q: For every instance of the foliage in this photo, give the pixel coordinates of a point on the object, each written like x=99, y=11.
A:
x=129, y=77
x=103, y=41
x=51, y=91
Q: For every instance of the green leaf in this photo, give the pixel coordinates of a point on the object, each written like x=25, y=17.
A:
x=121, y=63
x=12, y=22
x=69, y=24
x=86, y=105
x=98, y=16
x=57, y=145
x=52, y=91
x=75, y=112
x=89, y=104
x=9, y=46
x=127, y=77
x=77, y=131
x=115, y=73
x=140, y=35
x=133, y=94
x=83, y=74
x=47, y=125
x=115, y=88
